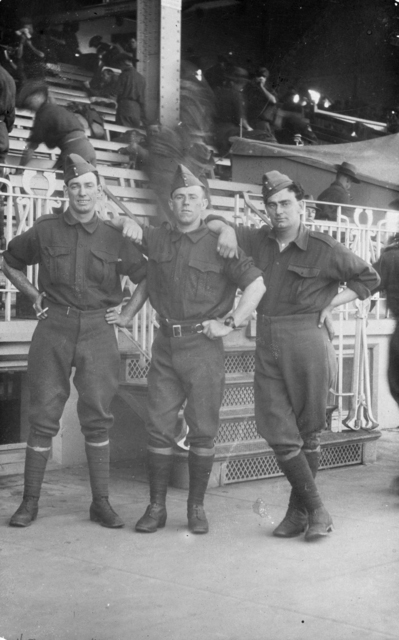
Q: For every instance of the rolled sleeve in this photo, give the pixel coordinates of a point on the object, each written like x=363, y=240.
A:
x=359, y=276
x=133, y=263
x=242, y=270
x=22, y=250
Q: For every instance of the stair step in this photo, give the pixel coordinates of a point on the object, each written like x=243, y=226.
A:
x=239, y=366
x=258, y=462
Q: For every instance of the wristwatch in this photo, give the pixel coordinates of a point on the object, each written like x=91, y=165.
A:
x=229, y=322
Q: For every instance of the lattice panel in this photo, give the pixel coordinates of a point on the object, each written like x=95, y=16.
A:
x=237, y=432
x=340, y=455
x=255, y=468
x=240, y=363
x=134, y=371
x=235, y=396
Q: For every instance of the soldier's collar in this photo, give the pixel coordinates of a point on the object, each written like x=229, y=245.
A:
x=301, y=240
x=194, y=236
x=90, y=226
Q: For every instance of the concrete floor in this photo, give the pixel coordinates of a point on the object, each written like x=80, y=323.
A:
x=65, y=578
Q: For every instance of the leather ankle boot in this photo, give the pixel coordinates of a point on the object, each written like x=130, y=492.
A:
x=293, y=524
x=153, y=519
x=197, y=521
x=26, y=513
x=102, y=512
x=320, y=524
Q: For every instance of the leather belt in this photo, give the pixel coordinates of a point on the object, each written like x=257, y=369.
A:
x=180, y=330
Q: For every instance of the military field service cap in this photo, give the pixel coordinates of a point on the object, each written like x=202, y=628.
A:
x=349, y=170
x=273, y=182
x=184, y=178
x=76, y=166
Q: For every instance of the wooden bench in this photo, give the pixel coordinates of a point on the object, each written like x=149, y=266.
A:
x=24, y=120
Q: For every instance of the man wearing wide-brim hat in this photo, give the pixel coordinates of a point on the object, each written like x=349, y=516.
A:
x=81, y=259
x=338, y=191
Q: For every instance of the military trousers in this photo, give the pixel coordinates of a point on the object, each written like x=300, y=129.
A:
x=69, y=339
x=189, y=368
x=295, y=366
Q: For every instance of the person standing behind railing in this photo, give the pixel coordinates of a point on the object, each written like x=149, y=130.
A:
x=338, y=191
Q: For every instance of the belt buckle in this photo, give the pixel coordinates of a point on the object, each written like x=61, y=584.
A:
x=198, y=328
x=176, y=330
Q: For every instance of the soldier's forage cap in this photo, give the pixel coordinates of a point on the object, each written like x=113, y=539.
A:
x=184, y=178
x=273, y=182
x=76, y=166
x=28, y=89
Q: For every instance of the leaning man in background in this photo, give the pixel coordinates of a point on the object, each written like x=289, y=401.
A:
x=80, y=261
x=192, y=288
x=294, y=360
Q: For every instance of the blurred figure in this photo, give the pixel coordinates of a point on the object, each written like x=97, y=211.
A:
x=129, y=46
x=231, y=109
x=197, y=102
x=103, y=84
x=338, y=191
x=261, y=103
x=130, y=94
x=7, y=112
x=167, y=148
x=216, y=75
x=54, y=125
x=31, y=57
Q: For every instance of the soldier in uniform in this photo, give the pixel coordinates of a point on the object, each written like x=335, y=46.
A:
x=295, y=360
x=80, y=260
x=192, y=289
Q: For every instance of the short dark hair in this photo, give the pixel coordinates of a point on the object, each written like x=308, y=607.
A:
x=295, y=187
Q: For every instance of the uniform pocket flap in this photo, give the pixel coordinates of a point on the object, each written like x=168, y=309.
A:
x=104, y=255
x=204, y=266
x=304, y=272
x=59, y=250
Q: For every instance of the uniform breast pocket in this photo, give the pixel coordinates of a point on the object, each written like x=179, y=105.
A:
x=102, y=267
x=303, y=281
x=205, y=279
x=159, y=271
x=58, y=262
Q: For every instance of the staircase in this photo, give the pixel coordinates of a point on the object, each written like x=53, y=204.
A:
x=241, y=454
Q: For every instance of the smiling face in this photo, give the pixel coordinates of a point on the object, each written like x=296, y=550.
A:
x=284, y=210
x=187, y=204
x=82, y=192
